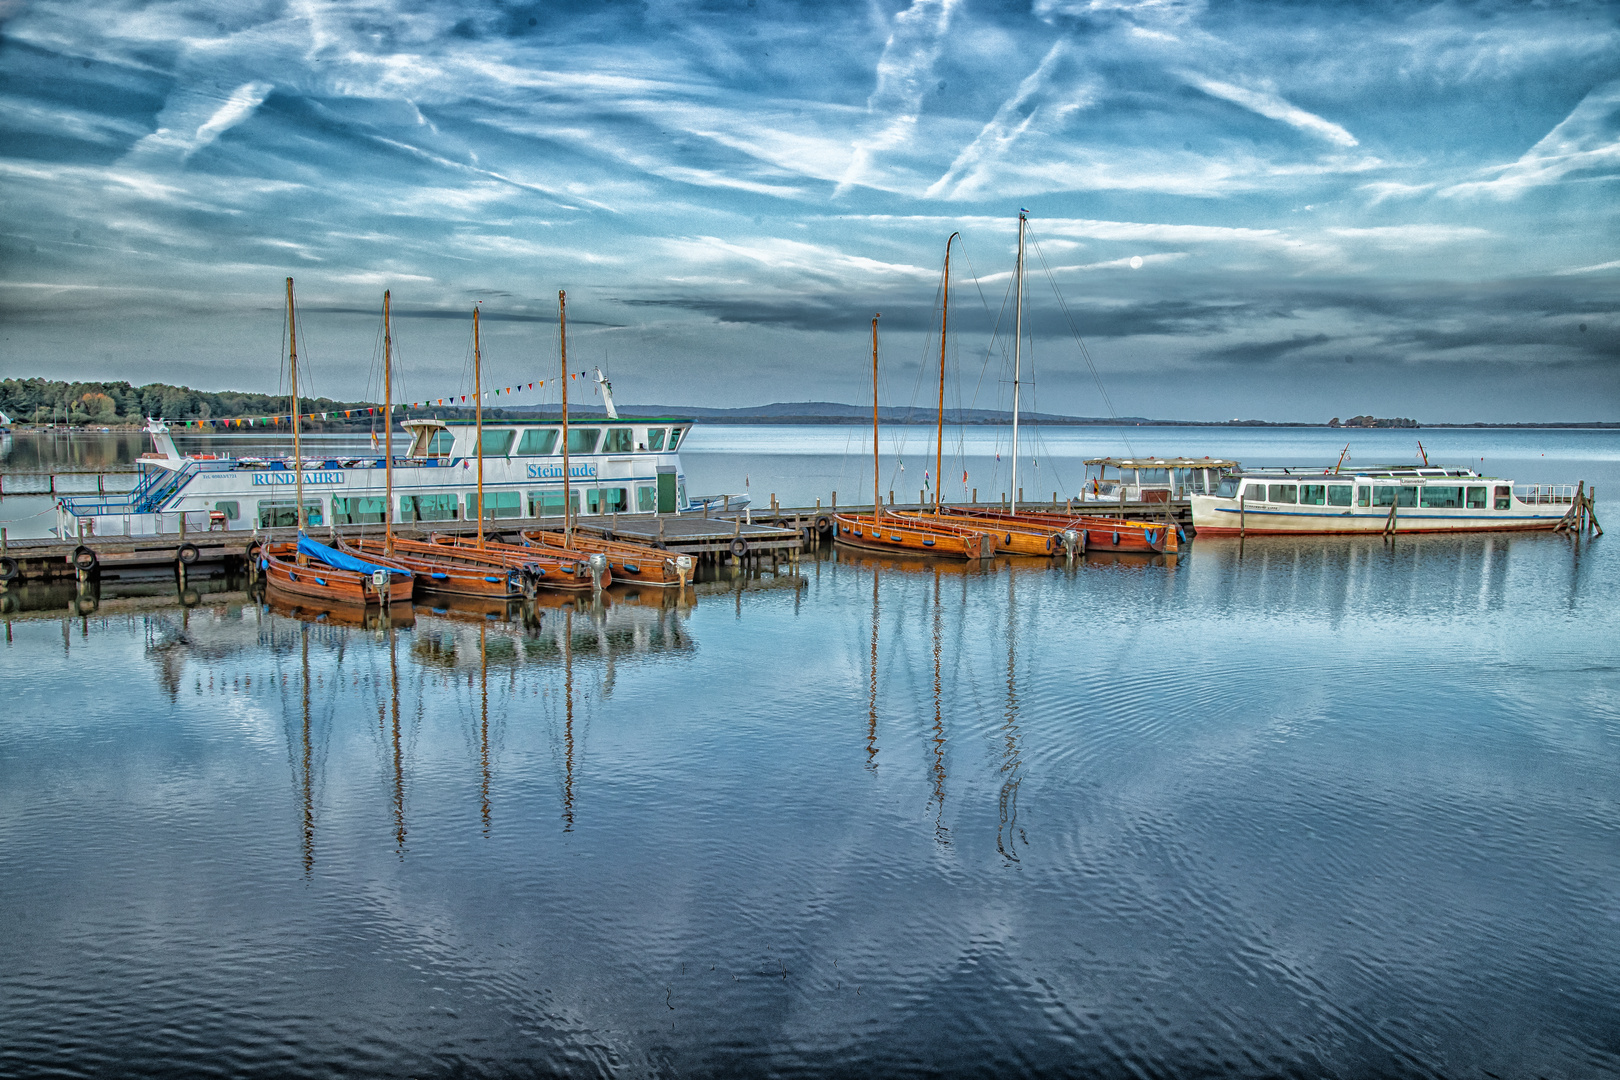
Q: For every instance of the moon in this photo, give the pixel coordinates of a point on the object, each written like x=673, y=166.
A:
x=1136, y=262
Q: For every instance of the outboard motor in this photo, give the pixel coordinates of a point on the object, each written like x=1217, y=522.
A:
x=599, y=564
x=1072, y=543
x=683, y=567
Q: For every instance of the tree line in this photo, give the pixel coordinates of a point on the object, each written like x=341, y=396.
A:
x=45, y=401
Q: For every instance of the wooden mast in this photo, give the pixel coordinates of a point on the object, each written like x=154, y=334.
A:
x=478, y=423
x=298, y=455
x=877, y=493
x=388, y=431
x=562, y=331
x=1018, y=344
x=939, y=440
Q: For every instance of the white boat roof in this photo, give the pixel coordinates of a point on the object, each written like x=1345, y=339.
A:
x=1165, y=463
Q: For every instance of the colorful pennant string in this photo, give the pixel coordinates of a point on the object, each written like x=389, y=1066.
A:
x=286, y=418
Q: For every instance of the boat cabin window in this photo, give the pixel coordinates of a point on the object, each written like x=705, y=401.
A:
x=439, y=445
x=1476, y=498
x=675, y=434
x=1228, y=488
x=283, y=513
x=359, y=510
x=1313, y=494
x=1443, y=497
x=496, y=443
x=646, y=499
x=1394, y=495
x=1282, y=493
x=1338, y=495
x=1504, y=496
x=1152, y=476
x=550, y=503
x=655, y=438
x=429, y=508
x=583, y=440
x=613, y=500
x=233, y=510
x=618, y=441
x=1363, y=496
x=537, y=442
x=497, y=504
x=1254, y=492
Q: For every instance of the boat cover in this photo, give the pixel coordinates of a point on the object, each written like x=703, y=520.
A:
x=340, y=560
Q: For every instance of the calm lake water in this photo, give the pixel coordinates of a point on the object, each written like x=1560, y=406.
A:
x=1296, y=807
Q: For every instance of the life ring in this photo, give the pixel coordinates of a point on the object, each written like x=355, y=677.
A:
x=188, y=553
x=739, y=547
x=8, y=568
x=84, y=559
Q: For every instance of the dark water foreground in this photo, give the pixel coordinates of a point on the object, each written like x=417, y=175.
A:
x=1315, y=808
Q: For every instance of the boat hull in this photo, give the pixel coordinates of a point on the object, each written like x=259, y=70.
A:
x=1223, y=517
x=317, y=581
x=911, y=537
x=553, y=571
x=629, y=562
x=1043, y=532
x=444, y=573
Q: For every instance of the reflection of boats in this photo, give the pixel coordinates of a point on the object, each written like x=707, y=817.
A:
x=339, y=614
x=888, y=532
x=1386, y=499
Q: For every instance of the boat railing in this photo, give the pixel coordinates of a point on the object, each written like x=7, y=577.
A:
x=1545, y=494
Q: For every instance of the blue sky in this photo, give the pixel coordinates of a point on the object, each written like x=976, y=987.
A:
x=1403, y=209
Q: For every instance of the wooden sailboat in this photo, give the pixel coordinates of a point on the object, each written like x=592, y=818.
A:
x=551, y=568
x=304, y=568
x=629, y=563
x=1023, y=533
x=455, y=571
x=904, y=534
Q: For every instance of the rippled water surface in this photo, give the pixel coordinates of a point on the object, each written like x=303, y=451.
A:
x=1300, y=807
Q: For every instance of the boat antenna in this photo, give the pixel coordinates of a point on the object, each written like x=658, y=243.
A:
x=388, y=431
x=939, y=439
x=877, y=497
x=478, y=423
x=298, y=455
x=1018, y=343
x=562, y=332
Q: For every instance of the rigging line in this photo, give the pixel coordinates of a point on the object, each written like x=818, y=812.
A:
x=1084, y=352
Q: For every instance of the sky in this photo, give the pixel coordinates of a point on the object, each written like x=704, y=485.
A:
x=1273, y=211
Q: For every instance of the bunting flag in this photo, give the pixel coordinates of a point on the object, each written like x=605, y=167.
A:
x=286, y=418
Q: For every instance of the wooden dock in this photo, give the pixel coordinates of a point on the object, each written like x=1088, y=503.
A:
x=756, y=536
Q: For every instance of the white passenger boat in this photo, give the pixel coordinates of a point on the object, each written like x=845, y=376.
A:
x=1394, y=499
x=623, y=466
x=1150, y=479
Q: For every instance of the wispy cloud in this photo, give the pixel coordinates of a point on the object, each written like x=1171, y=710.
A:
x=1587, y=142
x=1270, y=105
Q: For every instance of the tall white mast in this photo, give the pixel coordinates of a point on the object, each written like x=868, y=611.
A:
x=1018, y=344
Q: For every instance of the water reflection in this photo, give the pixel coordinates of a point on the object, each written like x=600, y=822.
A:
x=1007, y=828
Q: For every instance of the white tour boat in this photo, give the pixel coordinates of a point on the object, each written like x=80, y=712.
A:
x=615, y=466
x=1151, y=479
x=1383, y=499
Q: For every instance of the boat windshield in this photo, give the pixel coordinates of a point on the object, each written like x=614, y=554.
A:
x=1228, y=488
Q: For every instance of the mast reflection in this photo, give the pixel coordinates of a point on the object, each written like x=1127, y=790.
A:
x=1011, y=760
x=942, y=834
x=871, y=712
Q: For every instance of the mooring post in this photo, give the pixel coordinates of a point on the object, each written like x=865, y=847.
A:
x=2, y=540
x=891, y=496
x=660, y=531
x=975, y=496
x=1243, y=508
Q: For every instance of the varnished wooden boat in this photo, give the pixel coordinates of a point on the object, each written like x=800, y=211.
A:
x=906, y=535
x=320, y=580
x=630, y=563
x=447, y=571
x=553, y=570
x=1043, y=533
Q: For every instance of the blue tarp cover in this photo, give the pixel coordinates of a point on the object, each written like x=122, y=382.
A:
x=336, y=558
